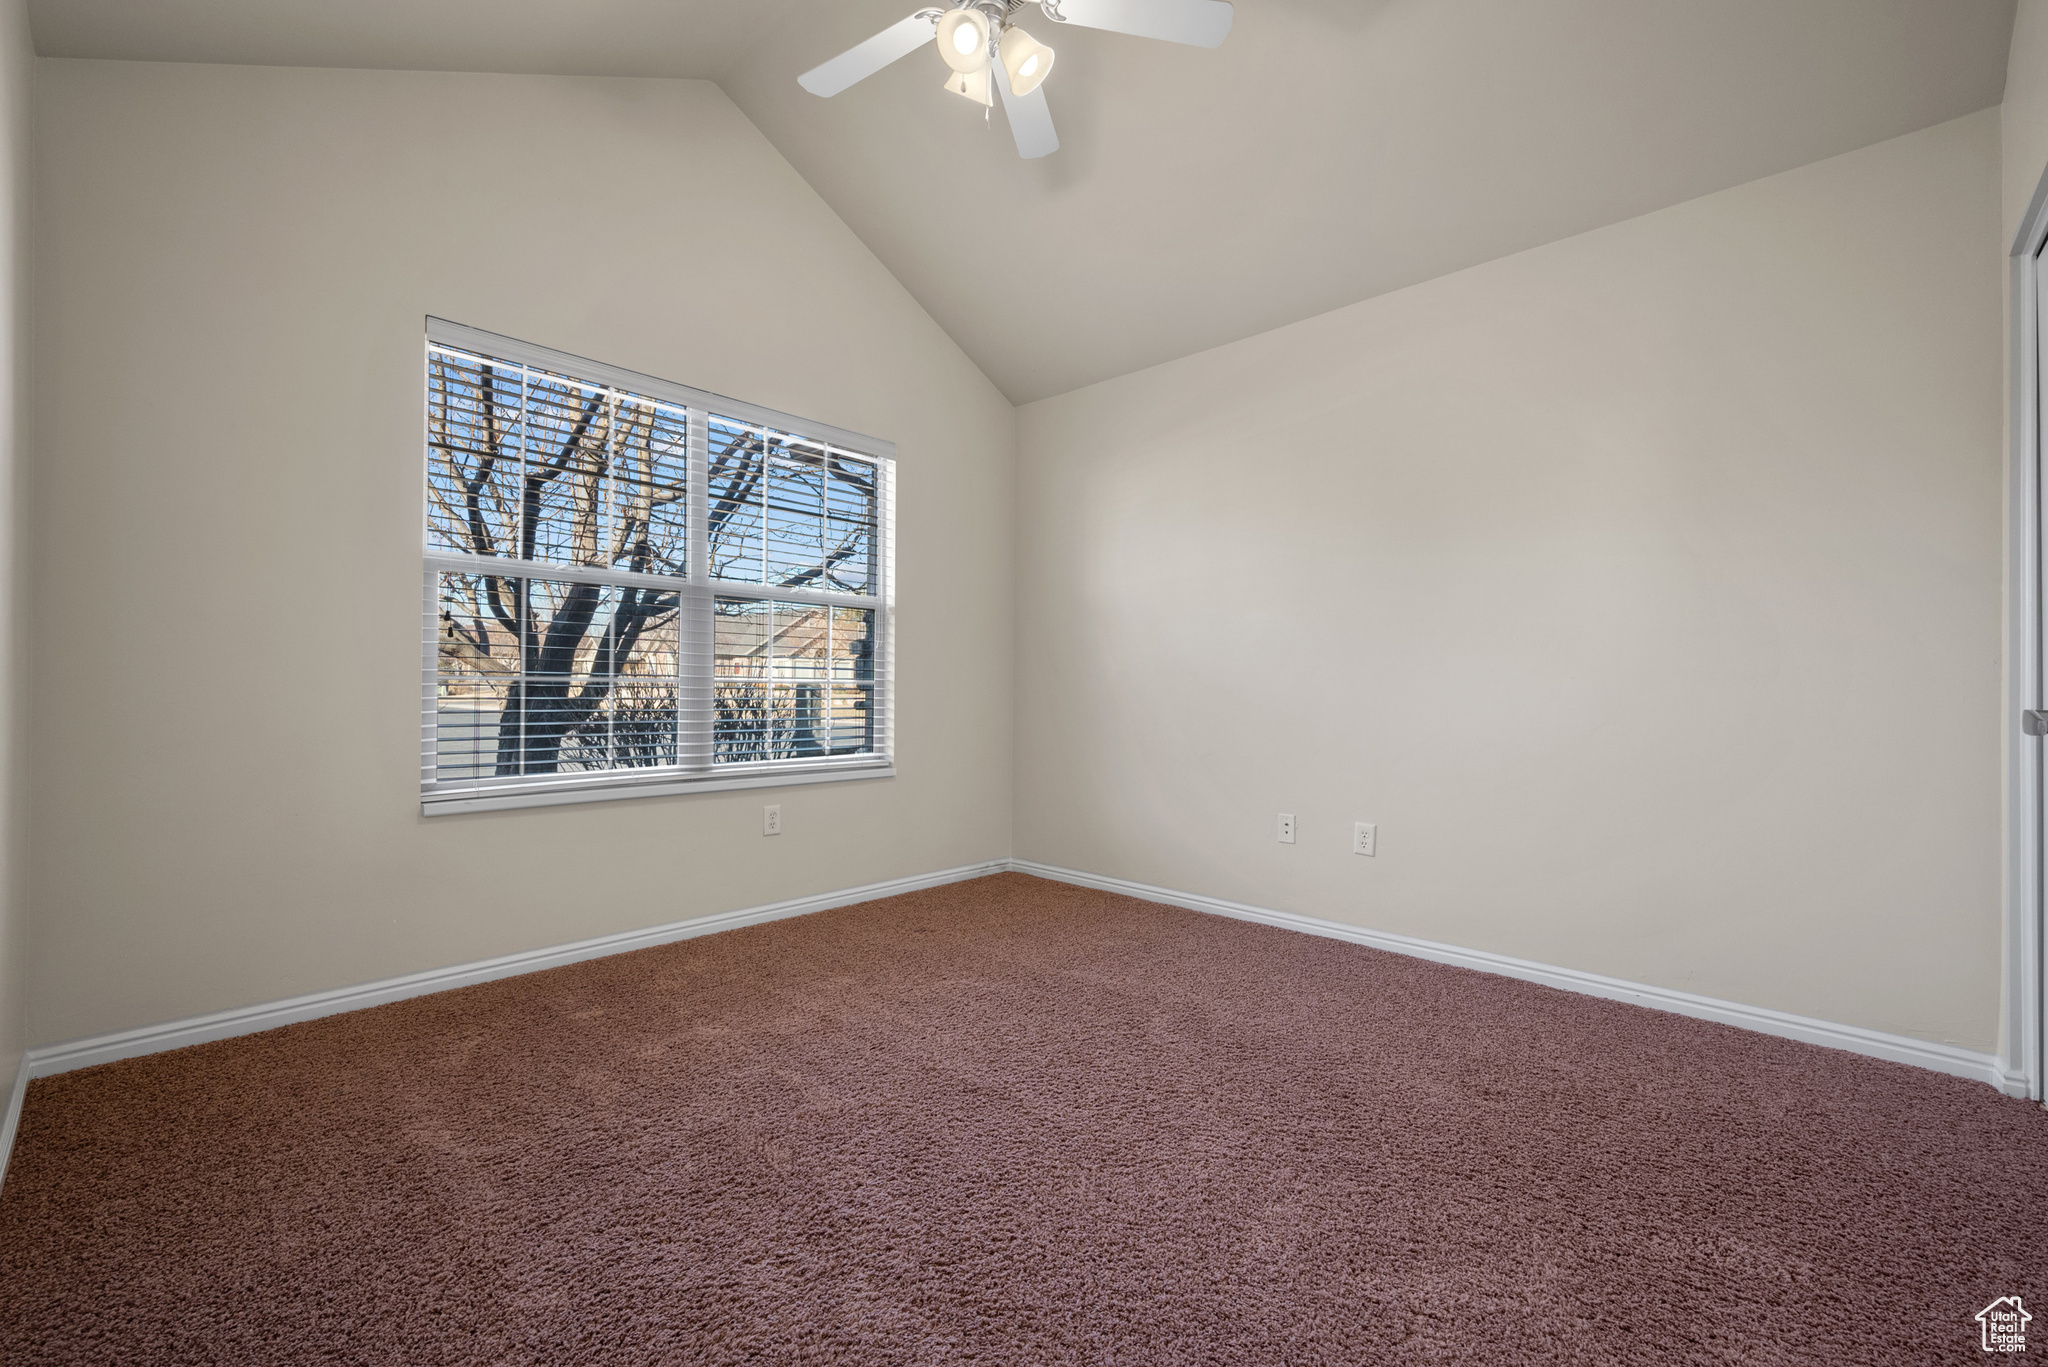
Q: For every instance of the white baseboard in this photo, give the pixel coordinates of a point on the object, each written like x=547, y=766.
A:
x=247, y=1020
x=1941, y=1058
x=11, y=1120
x=60, y=1058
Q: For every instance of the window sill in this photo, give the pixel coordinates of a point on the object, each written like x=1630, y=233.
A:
x=474, y=800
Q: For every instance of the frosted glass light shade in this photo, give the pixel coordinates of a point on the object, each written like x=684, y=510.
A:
x=975, y=85
x=1026, y=59
x=963, y=40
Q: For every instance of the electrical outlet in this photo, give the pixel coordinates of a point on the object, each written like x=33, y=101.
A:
x=1287, y=828
x=1364, y=837
x=771, y=820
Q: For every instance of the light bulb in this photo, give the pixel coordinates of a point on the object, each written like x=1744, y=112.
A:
x=1027, y=60
x=963, y=40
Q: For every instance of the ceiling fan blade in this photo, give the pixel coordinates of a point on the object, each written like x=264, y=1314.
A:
x=1030, y=121
x=1199, y=23
x=897, y=41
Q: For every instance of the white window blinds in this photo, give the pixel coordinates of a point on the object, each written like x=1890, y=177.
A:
x=633, y=587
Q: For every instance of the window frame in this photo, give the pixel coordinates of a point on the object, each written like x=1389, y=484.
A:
x=697, y=770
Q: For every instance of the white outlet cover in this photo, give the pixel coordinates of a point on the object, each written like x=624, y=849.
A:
x=1365, y=838
x=771, y=820
x=1287, y=828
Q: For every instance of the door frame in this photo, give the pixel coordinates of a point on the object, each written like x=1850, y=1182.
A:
x=2022, y=1025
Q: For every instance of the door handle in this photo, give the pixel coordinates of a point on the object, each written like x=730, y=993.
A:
x=2034, y=722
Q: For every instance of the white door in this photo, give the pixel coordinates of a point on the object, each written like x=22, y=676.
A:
x=2030, y=1051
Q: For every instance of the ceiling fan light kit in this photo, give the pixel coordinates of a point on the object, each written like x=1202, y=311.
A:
x=973, y=35
x=963, y=39
x=975, y=85
x=1027, y=60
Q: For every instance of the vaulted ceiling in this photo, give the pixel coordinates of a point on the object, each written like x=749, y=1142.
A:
x=1329, y=151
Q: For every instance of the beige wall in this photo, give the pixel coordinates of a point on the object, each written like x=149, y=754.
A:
x=17, y=69
x=232, y=270
x=1643, y=587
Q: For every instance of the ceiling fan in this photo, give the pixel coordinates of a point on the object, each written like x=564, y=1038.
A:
x=976, y=37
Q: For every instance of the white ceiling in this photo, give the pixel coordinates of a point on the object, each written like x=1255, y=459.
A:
x=1329, y=151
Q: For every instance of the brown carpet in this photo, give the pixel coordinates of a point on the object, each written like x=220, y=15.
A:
x=1012, y=1121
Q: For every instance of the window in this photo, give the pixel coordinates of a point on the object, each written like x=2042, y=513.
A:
x=633, y=587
